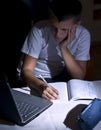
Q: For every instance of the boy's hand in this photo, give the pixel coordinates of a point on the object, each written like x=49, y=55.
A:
x=49, y=92
x=70, y=37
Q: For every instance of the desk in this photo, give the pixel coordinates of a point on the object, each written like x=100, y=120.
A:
x=56, y=117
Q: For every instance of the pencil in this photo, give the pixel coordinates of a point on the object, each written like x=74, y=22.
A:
x=43, y=78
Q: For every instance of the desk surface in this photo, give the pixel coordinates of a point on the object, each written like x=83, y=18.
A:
x=57, y=117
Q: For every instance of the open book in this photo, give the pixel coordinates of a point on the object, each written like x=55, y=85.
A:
x=76, y=89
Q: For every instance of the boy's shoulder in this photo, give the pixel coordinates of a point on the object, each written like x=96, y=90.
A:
x=82, y=29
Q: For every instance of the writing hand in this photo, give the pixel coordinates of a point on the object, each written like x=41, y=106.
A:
x=49, y=92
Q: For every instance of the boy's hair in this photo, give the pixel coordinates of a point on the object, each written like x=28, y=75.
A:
x=66, y=9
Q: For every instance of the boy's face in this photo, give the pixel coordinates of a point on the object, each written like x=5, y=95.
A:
x=60, y=29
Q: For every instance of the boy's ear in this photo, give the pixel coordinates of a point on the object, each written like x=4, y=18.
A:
x=78, y=23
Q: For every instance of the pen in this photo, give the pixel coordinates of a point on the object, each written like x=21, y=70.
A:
x=43, y=78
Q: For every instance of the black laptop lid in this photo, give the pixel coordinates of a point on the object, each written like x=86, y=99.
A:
x=9, y=109
x=7, y=104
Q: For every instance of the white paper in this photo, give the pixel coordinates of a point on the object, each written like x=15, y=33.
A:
x=63, y=94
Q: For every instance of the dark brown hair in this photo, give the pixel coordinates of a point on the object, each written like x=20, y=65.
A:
x=66, y=9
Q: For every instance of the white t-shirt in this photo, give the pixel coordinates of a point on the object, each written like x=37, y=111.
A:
x=41, y=44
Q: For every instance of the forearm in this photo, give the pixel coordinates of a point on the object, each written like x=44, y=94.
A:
x=73, y=67
x=31, y=80
x=43, y=89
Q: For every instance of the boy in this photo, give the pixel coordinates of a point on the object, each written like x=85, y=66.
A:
x=57, y=49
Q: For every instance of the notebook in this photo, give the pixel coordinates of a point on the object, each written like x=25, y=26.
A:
x=18, y=107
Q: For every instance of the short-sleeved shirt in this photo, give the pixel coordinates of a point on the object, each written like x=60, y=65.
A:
x=41, y=44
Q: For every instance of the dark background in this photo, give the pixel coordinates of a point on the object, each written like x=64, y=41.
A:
x=16, y=20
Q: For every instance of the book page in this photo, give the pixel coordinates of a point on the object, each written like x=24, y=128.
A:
x=62, y=88
x=97, y=84
x=81, y=89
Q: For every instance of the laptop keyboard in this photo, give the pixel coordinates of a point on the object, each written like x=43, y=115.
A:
x=26, y=110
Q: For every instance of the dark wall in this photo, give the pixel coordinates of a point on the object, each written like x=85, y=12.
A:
x=16, y=19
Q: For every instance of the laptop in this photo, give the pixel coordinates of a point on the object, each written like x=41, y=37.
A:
x=18, y=107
